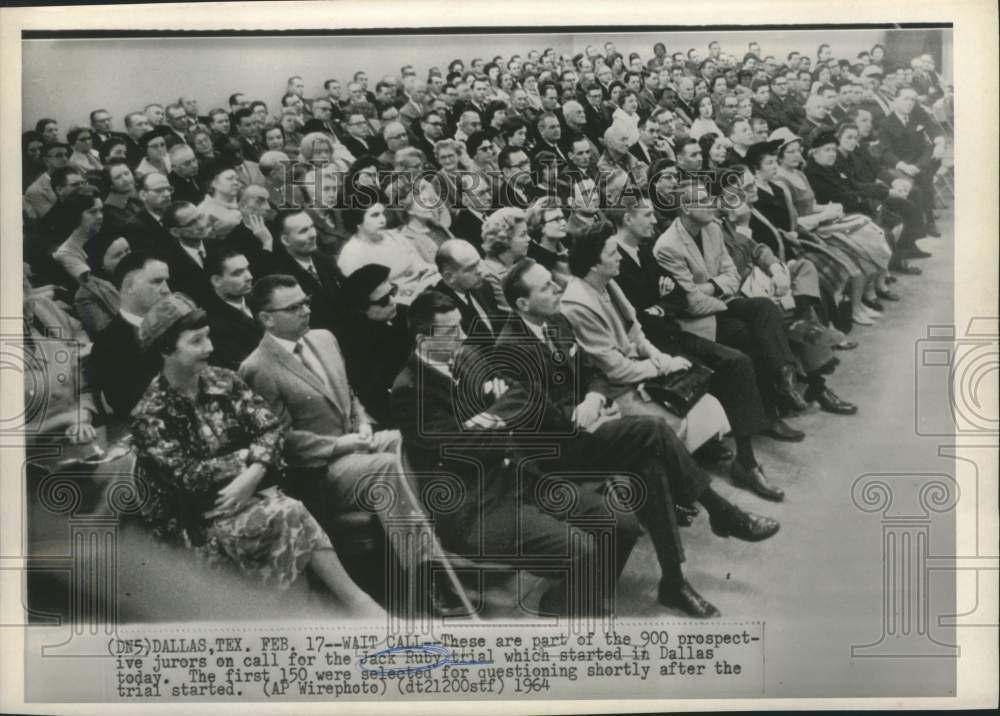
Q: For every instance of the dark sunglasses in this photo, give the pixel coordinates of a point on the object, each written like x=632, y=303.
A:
x=387, y=298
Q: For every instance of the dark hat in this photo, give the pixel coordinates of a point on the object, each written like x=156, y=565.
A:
x=97, y=246
x=359, y=285
x=822, y=138
x=758, y=150
x=164, y=314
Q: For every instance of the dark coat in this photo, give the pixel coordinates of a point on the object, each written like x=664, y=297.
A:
x=234, y=334
x=120, y=370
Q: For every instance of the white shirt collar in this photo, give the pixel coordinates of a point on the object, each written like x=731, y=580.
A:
x=240, y=305
x=307, y=264
x=538, y=330
x=632, y=251
x=195, y=253
x=131, y=317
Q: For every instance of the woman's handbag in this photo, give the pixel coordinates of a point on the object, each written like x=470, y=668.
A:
x=681, y=389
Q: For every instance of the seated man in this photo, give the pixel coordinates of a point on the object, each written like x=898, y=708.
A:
x=693, y=251
x=121, y=369
x=606, y=327
x=301, y=374
x=497, y=515
x=593, y=436
x=235, y=333
x=460, y=267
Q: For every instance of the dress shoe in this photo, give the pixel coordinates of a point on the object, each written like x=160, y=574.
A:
x=685, y=514
x=780, y=430
x=744, y=525
x=901, y=267
x=787, y=391
x=845, y=346
x=916, y=253
x=687, y=600
x=755, y=480
x=714, y=451
x=874, y=304
x=830, y=402
x=891, y=279
x=932, y=230
x=887, y=294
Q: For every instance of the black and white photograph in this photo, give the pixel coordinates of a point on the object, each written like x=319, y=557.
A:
x=369, y=352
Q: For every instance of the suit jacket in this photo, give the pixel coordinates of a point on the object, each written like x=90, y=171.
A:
x=677, y=252
x=186, y=189
x=262, y=262
x=907, y=143
x=468, y=226
x=234, y=334
x=315, y=417
x=645, y=154
x=121, y=371
x=328, y=310
x=429, y=413
x=472, y=323
x=358, y=149
x=147, y=234
x=187, y=276
x=640, y=282
x=251, y=151
x=546, y=406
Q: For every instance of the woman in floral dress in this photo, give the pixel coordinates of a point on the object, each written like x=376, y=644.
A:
x=209, y=453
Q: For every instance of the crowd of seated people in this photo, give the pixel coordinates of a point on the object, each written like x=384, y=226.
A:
x=280, y=302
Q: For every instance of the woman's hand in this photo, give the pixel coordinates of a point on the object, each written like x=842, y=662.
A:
x=233, y=496
x=80, y=433
x=669, y=364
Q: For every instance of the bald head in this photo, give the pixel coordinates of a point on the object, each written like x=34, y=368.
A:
x=459, y=264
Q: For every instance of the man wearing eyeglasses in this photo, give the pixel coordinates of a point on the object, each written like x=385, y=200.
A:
x=146, y=233
x=517, y=188
x=431, y=129
x=330, y=442
x=783, y=104
x=187, y=256
x=357, y=139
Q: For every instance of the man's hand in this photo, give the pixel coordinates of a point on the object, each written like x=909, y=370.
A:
x=365, y=431
x=588, y=411
x=780, y=279
x=354, y=442
x=80, y=433
x=667, y=285
x=608, y=414
x=233, y=496
x=255, y=222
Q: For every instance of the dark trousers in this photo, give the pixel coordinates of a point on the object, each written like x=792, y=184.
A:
x=911, y=216
x=734, y=382
x=756, y=327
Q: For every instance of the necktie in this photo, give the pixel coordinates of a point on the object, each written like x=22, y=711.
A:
x=299, y=351
x=548, y=332
x=311, y=268
x=479, y=310
x=201, y=255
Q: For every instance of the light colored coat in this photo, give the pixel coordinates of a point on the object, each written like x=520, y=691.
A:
x=315, y=417
x=678, y=254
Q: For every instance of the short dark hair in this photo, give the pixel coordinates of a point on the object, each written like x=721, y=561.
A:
x=586, y=247
x=424, y=308
x=215, y=261
x=264, y=288
x=170, y=215
x=503, y=159
x=41, y=124
x=132, y=262
x=55, y=145
x=79, y=202
x=239, y=114
x=513, y=282
x=61, y=175
x=73, y=134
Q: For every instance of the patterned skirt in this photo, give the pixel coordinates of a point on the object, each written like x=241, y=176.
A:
x=861, y=239
x=270, y=540
x=834, y=266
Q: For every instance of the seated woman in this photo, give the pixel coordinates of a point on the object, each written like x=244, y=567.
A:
x=372, y=244
x=422, y=208
x=662, y=191
x=866, y=237
x=317, y=149
x=793, y=285
x=322, y=191
x=704, y=123
x=605, y=325
x=97, y=300
x=155, y=157
x=847, y=240
x=85, y=212
x=205, y=443
x=447, y=181
x=221, y=205
x=505, y=242
x=514, y=133
x=548, y=229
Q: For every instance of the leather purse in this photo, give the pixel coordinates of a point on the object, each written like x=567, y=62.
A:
x=680, y=390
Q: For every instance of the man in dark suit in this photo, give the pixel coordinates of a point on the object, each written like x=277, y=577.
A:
x=549, y=136
x=459, y=264
x=147, y=233
x=517, y=189
x=184, y=175
x=233, y=330
x=564, y=403
x=249, y=134
x=120, y=369
x=188, y=253
x=498, y=512
x=136, y=125
x=645, y=148
x=254, y=237
x=298, y=255
x=913, y=148
x=356, y=136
